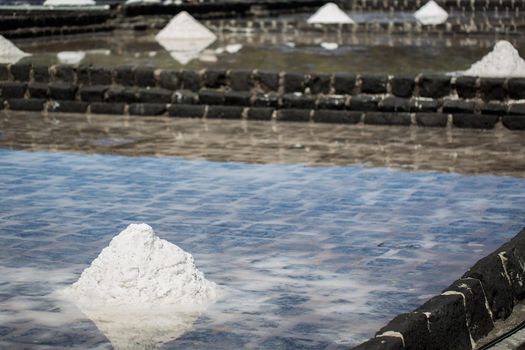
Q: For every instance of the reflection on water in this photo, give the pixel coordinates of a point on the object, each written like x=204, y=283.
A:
x=309, y=257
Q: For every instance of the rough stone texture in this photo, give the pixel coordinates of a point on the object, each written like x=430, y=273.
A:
x=420, y=105
x=298, y=101
x=40, y=73
x=125, y=75
x=10, y=89
x=414, y=328
x=514, y=122
x=394, y=104
x=190, y=80
x=101, y=76
x=335, y=116
x=293, y=115
x=364, y=103
x=458, y=106
x=147, y=109
x=319, y=83
x=21, y=71
x=434, y=86
x=64, y=73
x=447, y=322
x=83, y=73
x=186, y=97
x=331, y=102
x=107, y=108
x=37, y=90
x=479, y=318
x=155, y=95
x=256, y=113
x=517, y=108
x=266, y=100
x=169, y=79
x=466, y=86
x=373, y=84
x=240, y=80
x=186, y=111
x=382, y=343
x=492, y=89
x=93, y=93
x=4, y=71
x=214, y=78
x=293, y=82
x=431, y=119
x=344, y=83
x=496, y=108
x=68, y=107
x=483, y=121
x=224, y=112
x=211, y=97
x=145, y=76
x=516, y=88
x=62, y=91
x=117, y=93
x=402, y=86
x=380, y=118
x=21, y=104
x=237, y=98
x=268, y=81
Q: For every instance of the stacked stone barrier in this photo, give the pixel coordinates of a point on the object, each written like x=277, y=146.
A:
x=424, y=100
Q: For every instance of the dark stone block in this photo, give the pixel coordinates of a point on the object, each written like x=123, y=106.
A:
x=147, y=109
x=293, y=82
x=331, y=102
x=187, y=111
x=68, y=107
x=458, y=106
x=266, y=100
x=211, y=97
x=364, y=103
x=40, y=74
x=344, y=84
x=381, y=343
x=394, y=104
x=12, y=89
x=380, y=118
x=419, y=105
x=434, y=86
x=373, y=84
x=447, y=322
x=186, y=97
x=402, y=86
x=155, y=95
x=190, y=80
x=214, y=78
x=293, y=115
x=516, y=88
x=517, y=108
x=298, y=101
x=492, y=89
x=117, y=93
x=101, y=76
x=414, y=328
x=335, y=116
x=224, y=112
x=466, y=87
x=240, y=80
x=107, y=108
x=237, y=98
x=514, y=122
x=319, y=83
x=22, y=104
x=64, y=73
x=37, y=90
x=431, y=119
x=93, y=93
x=4, y=72
x=169, y=80
x=125, y=75
x=21, y=71
x=496, y=108
x=62, y=91
x=83, y=73
x=483, y=121
x=268, y=81
x=145, y=76
x=255, y=113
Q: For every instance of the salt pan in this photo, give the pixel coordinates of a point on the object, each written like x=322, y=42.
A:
x=431, y=13
x=330, y=13
x=503, y=61
x=9, y=53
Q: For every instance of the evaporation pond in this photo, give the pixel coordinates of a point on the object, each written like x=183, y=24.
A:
x=306, y=257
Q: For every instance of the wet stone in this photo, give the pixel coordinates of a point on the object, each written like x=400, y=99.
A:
x=64, y=73
x=483, y=121
x=344, y=84
x=147, y=109
x=268, y=81
x=32, y=104
x=21, y=71
x=373, y=84
x=118, y=93
x=516, y=88
x=402, y=86
x=298, y=101
x=237, y=98
x=93, y=93
x=385, y=118
x=12, y=89
x=211, y=97
x=37, y=90
x=107, y=108
x=124, y=75
x=190, y=80
x=466, y=86
x=414, y=328
x=492, y=89
x=260, y=113
x=169, y=79
x=335, y=116
x=458, y=106
x=394, y=104
x=224, y=112
x=101, y=76
x=4, y=72
x=293, y=82
x=514, y=122
x=364, y=103
x=240, y=80
x=517, y=108
x=40, y=73
x=214, y=78
x=434, y=86
x=381, y=343
x=423, y=105
x=496, y=108
x=62, y=91
x=68, y=106
x=186, y=111
x=431, y=119
x=83, y=74
x=319, y=83
x=186, y=97
x=155, y=95
x=331, y=102
x=144, y=76
x=266, y=100
x=293, y=115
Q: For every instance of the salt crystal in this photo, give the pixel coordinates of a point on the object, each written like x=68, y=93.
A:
x=503, y=61
x=330, y=13
x=233, y=48
x=71, y=57
x=69, y=3
x=431, y=13
x=329, y=46
x=9, y=53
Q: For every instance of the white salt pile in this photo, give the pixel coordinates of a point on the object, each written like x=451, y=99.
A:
x=330, y=13
x=503, y=61
x=184, y=37
x=431, y=13
x=9, y=53
x=329, y=46
x=233, y=48
x=71, y=57
x=69, y=3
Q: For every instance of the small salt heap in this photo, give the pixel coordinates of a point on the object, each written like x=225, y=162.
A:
x=69, y=3
x=9, y=53
x=71, y=57
x=503, y=61
x=330, y=13
x=431, y=13
x=184, y=37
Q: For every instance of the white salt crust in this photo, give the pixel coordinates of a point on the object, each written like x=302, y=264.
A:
x=431, y=13
x=503, y=61
x=9, y=53
x=69, y=3
x=330, y=13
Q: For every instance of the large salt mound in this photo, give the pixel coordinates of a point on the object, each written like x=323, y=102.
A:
x=9, y=53
x=431, y=13
x=69, y=3
x=330, y=13
x=503, y=61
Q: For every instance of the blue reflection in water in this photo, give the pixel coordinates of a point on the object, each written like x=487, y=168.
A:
x=317, y=256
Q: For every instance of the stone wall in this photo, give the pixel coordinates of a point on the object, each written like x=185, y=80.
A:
x=425, y=100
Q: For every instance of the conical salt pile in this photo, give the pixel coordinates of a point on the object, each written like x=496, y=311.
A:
x=9, y=53
x=503, y=61
x=431, y=13
x=330, y=13
x=69, y=3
